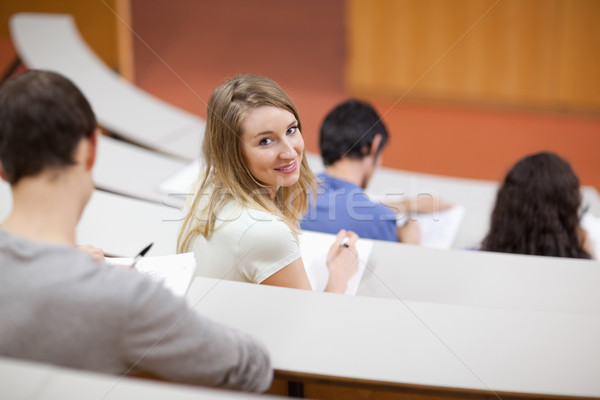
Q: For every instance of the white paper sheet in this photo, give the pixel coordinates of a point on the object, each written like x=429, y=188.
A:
x=314, y=247
x=438, y=229
x=174, y=271
x=591, y=224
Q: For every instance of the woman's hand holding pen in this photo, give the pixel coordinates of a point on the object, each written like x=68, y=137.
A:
x=342, y=261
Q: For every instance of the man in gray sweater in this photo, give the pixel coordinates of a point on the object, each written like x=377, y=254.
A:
x=60, y=306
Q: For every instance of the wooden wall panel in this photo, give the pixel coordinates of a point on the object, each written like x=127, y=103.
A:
x=124, y=32
x=540, y=53
x=579, y=72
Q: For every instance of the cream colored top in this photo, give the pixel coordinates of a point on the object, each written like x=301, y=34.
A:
x=247, y=245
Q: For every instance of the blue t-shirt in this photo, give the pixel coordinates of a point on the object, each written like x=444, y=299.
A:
x=344, y=205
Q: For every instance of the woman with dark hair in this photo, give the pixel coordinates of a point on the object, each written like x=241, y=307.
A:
x=537, y=210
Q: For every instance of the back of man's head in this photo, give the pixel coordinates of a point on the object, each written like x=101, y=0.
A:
x=43, y=117
x=349, y=130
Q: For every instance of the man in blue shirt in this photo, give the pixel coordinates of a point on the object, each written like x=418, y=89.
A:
x=351, y=139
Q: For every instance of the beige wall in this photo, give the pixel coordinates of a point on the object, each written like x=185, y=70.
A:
x=533, y=53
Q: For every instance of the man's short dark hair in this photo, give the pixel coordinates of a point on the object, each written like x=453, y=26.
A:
x=43, y=117
x=348, y=131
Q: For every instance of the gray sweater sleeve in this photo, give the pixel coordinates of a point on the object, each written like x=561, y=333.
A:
x=163, y=335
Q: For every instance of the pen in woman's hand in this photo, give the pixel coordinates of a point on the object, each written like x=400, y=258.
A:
x=140, y=255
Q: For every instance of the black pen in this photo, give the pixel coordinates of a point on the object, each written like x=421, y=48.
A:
x=140, y=255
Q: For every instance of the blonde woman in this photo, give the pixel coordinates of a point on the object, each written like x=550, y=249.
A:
x=243, y=221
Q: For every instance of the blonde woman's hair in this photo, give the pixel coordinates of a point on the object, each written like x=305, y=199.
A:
x=226, y=175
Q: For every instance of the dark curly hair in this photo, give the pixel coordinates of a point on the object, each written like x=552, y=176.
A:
x=537, y=210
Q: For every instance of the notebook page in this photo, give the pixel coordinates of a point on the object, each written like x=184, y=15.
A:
x=175, y=271
x=314, y=247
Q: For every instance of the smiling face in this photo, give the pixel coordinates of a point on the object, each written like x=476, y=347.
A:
x=272, y=145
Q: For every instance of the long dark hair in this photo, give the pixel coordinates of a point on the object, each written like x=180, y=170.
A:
x=537, y=210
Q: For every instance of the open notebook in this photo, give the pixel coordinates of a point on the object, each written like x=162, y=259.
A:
x=175, y=271
x=314, y=247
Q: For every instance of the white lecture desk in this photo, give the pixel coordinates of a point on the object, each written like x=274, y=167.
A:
x=495, y=280
x=512, y=335
x=131, y=170
x=408, y=345
x=26, y=380
x=123, y=226
x=52, y=42
x=120, y=226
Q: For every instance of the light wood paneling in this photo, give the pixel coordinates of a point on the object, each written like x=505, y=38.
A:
x=579, y=65
x=124, y=39
x=540, y=53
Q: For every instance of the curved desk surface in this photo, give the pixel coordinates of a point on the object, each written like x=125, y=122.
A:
x=120, y=226
x=408, y=345
x=485, y=279
x=20, y=379
x=52, y=42
x=131, y=170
